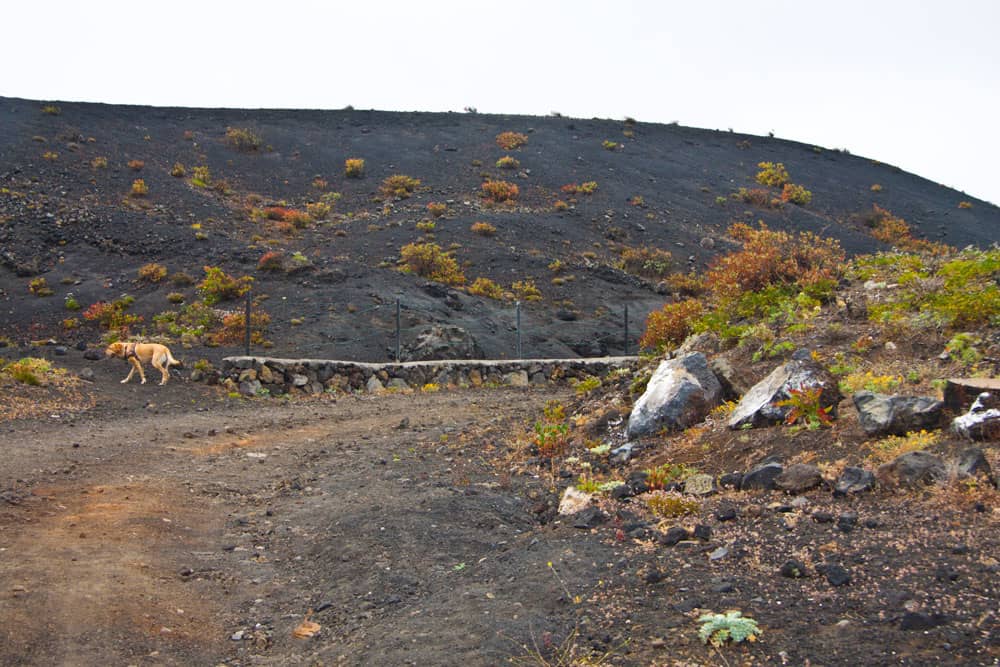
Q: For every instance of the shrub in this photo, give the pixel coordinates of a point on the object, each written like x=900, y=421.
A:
x=895, y=231
x=756, y=197
x=587, y=188
x=499, y=191
x=233, y=328
x=437, y=209
x=771, y=174
x=51, y=156
x=637, y=201
x=483, y=229
x=508, y=162
x=273, y=260
x=669, y=326
x=99, y=162
x=139, y=188
x=609, y=145
x=487, y=288
x=796, y=194
x=112, y=315
x=890, y=447
x=318, y=210
x=40, y=287
x=428, y=260
x=178, y=170
x=511, y=140
x=71, y=323
x=805, y=407
x=201, y=177
x=426, y=226
x=242, y=139
x=876, y=187
x=70, y=303
x=181, y=279
x=525, y=290
x=51, y=110
x=560, y=205
x=217, y=285
x=965, y=204
x=175, y=297
x=30, y=370
x=552, y=431
x=152, y=272
x=354, y=167
x=399, y=186
x=645, y=261
x=671, y=505
x=136, y=165
x=587, y=385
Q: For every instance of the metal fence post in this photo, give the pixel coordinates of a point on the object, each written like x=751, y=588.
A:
x=517, y=306
x=397, y=330
x=626, y=329
x=246, y=320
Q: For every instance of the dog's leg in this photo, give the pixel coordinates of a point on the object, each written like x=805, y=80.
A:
x=159, y=365
x=138, y=366
x=131, y=372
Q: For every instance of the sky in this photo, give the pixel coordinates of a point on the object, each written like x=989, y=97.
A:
x=913, y=83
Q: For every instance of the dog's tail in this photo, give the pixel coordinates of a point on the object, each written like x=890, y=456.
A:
x=173, y=362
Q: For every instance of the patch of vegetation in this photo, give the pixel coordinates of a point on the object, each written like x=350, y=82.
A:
x=483, y=229
x=40, y=287
x=895, y=231
x=111, y=316
x=487, y=288
x=893, y=446
x=609, y=145
x=646, y=262
x=399, y=186
x=796, y=194
x=669, y=326
x=152, y=272
x=587, y=188
x=717, y=629
x=552, y=431
x=201, y=177
x=662, y=476
x=136, y=165
x=99, y=162
x=354, y=167
x=429, y=261
x=511, y=140
x=587, y=385
x=217, y=285
x=499, y=191
x=437, y=209
x=139, y=188
x=243, y=139
x=178, y=170
x=772, y=174
x=29, y=370
x=525, y=290
x=508, y=162
x=805, y=408
x=671, y=505
x=273, y=260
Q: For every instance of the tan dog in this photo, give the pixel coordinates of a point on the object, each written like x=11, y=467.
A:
x=137, y=353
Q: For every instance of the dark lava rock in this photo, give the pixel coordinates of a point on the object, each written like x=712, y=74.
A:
x=820, y=516
x=911, y=469
x=793, y=569
x=93, y=354
x=880, y=414
x=622, y=491
x=731, y=480
x=672, y=536
x=972, y=463
x=836, y=575
x=81, y=346
x=799, y=478
x=591, y=517
x=847, y=521
x=61, y=350
x=854, y=480
x=915, y=620
x=727, y=513
x=761, y=476
x=654, y=577
x=703, y=532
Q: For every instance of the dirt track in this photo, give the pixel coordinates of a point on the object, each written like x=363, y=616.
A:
x=155, y=536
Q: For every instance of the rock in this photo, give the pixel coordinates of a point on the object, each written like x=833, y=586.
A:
x=589, y=517
x=799, y=478
x=961, y=393
x=299, y=380
x=374, y=385
x=836, y=575
x=880, y=414
x=80, y=346
x=86, y=374
x=702, y=532
x=819, y=516
x=397, y=384
x=516, y=379
x=680, y=394
x=915, y=620
x=249, y=387
x=911, y=469
x=637, y=481
x=971, y=462
x=442, y=341
x=60, y=350
x=981, y=422
x=266, y=375
x=793, y=569
x=718, y=554
x=726, y=513
x=854, y=480
x=699, y=485
x=733, y=382
x=761, y=476
x=93, y=354
x=705, y=342
x=731, y=480
x=621, y=492
x=621, y=455
x=573, y=501
x=673, y=536
x=758, y=407
x=847, y=521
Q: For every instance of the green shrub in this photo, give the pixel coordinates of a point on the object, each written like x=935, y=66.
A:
x=428, y=260
x=217, y=285
x=669, y=326
x=243, y=139
x=399, y=186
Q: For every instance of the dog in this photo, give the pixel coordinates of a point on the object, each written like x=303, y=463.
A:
x=137, y=353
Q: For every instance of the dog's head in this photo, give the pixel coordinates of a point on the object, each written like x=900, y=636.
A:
x=116, y=349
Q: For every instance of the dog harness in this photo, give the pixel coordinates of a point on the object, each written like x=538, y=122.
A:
x=130, y=351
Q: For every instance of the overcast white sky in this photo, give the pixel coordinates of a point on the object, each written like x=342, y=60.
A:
x=913, y=83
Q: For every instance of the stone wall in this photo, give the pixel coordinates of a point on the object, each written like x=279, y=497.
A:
x=251, y=375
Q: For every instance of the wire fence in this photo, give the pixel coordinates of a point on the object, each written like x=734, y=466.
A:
x=389, y=329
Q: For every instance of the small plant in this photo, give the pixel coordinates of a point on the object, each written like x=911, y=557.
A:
x=508, y=162
x=511, y=140
x=71, y=323
x=201, y=177
x=426, y=226
x=50, y=156
x=771, y=174
x=30, y=370
x=99, y=162
x=587, y=385
x=671, y=505
x=796, y=194
x=757, y=197
x=243, y=139
x=178, y=170
x=499, y=191
x=70, y=303
x=354, y=167
x=152, y=272
x=111, y=315
x=805, y=407
x=965, y=204
x=136, y=165
x=430, y=388
x=40, y=287
x=51, y=110
x=483, y=229
x=318, y=210
x=175, y=297
x=552, y=433
x=487, y=288
x=560, y=205
x=217, y=285
x=637, y=201
x=232, y=331
x=666, y=474
x=273, y=260
x=670, y=325
x=717, y=629
x=139, y=188
x=437, y=209
x=430, y=261
x=525, y=290
x=890, y=447
x=646, y=262
x=399, y=186
x=962, y=347
x=609, y=145
x=868, y=381
x=876, y=187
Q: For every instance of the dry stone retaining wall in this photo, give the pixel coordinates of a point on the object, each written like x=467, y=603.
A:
x=251, y=375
